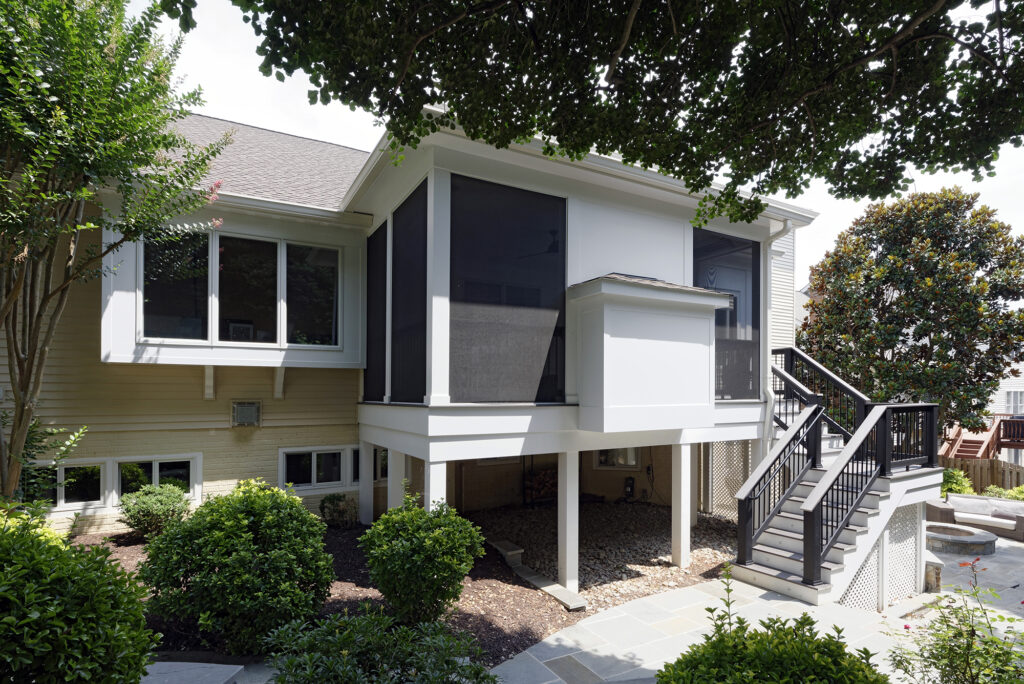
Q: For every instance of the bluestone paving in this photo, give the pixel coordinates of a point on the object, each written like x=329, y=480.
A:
x=194, y=673
x=525, y=669
x=626, y=631
x=572, y=671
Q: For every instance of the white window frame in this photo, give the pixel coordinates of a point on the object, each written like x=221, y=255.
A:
x=500, y=461
x=1015, y=402
x=110, y=480
x=379, y=469
x=347, y=482
x=631, y=452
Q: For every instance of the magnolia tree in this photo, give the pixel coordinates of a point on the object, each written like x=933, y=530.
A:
x=87, y=144
x=766, y=94
x=916, y=302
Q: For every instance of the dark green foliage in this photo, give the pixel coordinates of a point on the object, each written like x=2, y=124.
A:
x=153, y=507
x=42, y=444
x=782, y=650
x=373, y=648
x=418, y=559
x=240, y=565
x=962, y=644
x=766, y=94
x=915, y=304
x=67, y=613
x=339, y=510
x=956, y=481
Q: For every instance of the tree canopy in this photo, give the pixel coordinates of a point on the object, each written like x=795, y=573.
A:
x=87, y=104
x=767, y=94
x=915, y=303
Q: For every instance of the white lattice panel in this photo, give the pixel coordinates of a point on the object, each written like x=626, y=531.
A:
x=901, y=574
x=730, y=466
x=863, y=590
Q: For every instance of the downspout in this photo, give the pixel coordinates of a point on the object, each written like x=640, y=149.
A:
x=766, y=393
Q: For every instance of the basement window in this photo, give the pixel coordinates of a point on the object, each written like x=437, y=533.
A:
x=616, y=459
x=319, y=467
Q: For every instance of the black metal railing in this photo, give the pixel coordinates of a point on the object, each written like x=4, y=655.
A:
x=775, y=478
x=845, y=406
x=901, y=435
x=791, y=398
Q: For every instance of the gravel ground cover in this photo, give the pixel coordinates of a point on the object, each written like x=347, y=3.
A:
x=624, y=554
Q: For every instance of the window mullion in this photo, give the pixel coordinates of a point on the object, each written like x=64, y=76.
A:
x=282, y=293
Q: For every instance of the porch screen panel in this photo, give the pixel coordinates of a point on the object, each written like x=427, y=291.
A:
x=376, y=313
x=409, y=298
x=507, y=294
x=733, y=266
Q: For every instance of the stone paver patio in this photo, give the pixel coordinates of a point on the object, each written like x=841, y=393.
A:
x=1004, y=574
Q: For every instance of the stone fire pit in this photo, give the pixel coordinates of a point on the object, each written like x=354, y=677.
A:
x=959, y=539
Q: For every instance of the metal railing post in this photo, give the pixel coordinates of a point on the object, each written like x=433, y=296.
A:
x=745, y=534
x=813, y=439
x=931, y=432
x=812, y=546
x=883, y=444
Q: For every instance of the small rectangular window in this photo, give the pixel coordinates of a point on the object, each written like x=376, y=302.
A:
x=175, y=290
x=1015, y=402
x=616, y=458
x=298, y=469
x=176, y=473
x=247, y=290
x=134, y=476
x=355, y=465
x=82, y=484
x=328, y=467
x=312, y=282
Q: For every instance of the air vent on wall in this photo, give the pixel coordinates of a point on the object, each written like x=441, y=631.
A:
x=245, y=413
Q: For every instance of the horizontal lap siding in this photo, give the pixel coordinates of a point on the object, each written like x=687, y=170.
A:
x=781, y=324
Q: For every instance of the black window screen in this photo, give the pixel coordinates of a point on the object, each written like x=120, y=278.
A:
x=507, y=294
x=376, y=313
x=409, y=298
x=733, y=266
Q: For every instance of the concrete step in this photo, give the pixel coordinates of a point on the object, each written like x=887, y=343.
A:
x=782, y=582
x=791, y=561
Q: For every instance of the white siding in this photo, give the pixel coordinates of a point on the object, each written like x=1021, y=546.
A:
x=998, y=403
x=781, y=312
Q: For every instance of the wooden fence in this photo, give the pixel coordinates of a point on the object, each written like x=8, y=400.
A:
x=984, y=472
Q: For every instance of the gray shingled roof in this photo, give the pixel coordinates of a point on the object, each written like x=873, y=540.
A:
x=649, y=282
x=276, y=166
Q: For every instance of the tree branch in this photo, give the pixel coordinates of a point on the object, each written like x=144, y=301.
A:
x=630, y=18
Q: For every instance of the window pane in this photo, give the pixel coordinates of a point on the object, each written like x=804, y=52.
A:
x=176, y=473
x=507, y=293
x=328, y=467
x=81, y=484
x=175, y=292
x=616, y=458
x=298, y=469
x=312, y=295
x=134, y=476
x=248, y=290
x=355, y=465
x=732, y=265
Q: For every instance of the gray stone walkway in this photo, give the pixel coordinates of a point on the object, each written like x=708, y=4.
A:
x=1004, y=574
x=631, y=642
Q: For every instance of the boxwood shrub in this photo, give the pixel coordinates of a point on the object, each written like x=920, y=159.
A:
x=340, y=510
x=417, y=559
x=239, y=566
x=153, y=507
x=372, y=648
x=67, y=613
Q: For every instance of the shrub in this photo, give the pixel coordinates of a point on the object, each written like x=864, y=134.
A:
x=961, y=645
x=239, y=566
x=339, y=510
x=417, y=559
x=956, y=482
x=152, y=508
x=69, y=612
x=783, y=650
x=372, y=648
x=1016, y=494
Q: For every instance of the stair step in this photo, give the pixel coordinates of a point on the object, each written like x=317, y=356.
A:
x=780, y=581
x=794, y=522
x=795, y=556
x=799, y=537
x=866, y=511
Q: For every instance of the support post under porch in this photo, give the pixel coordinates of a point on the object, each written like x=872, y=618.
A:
x=366, y=476
x=435, y=484
x=681, y=505
x=569, y=520
x=396, y=478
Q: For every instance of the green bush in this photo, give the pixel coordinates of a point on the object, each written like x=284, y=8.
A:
x=152, y=508
x=372, y=648
x=961, y=644
x=782, y=651
x=956, y=482
x=339, y=510
x=67, y=613
x=1016, y=494
x=418, y=559
x=239, y=566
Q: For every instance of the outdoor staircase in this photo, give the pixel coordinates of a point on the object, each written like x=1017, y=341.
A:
x=968, y=448
x=810, y=513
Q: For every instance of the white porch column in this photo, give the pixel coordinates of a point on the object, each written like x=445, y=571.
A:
x=435, y=484
x=569, y=520
x=366, y=475
x=680, y=505
x=396, y=476
x=438, y=285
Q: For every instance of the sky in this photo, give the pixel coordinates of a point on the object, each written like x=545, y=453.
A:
x=220, y=56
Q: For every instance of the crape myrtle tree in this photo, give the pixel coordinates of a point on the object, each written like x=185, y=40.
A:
x=87, y=104
x=916, y=302
x=765, y=94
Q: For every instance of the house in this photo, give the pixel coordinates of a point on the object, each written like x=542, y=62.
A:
x=489, y=325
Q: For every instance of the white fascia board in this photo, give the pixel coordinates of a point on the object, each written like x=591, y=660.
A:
x=609, y=289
